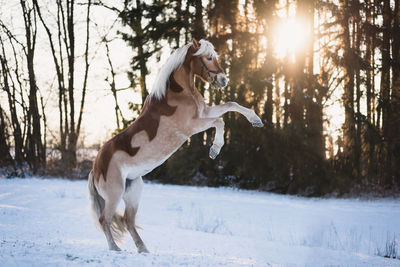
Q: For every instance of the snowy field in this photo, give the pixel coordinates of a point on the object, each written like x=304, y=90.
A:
x=47, y=223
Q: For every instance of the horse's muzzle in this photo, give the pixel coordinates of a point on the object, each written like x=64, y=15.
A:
x=222, y=81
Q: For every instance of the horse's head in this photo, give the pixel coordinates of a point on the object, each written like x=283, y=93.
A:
x=205, y=64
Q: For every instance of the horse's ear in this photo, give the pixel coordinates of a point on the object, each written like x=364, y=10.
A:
x=195, y=43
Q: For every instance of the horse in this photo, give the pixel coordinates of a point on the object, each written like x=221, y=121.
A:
x=173, y=111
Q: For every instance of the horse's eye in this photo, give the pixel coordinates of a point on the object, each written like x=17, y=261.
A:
x=209, y=58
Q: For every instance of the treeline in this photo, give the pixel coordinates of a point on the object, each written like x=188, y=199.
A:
x=349, y=60
x=351, y=52
x=23, y=116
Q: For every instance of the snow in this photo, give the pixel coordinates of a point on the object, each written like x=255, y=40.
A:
x=46, y=222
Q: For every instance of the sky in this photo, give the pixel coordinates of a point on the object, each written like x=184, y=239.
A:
x=98, y=118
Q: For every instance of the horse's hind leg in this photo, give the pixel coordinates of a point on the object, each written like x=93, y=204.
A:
x=131, y=197
x=112, y=198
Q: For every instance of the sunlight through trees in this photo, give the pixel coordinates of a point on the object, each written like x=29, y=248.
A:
x=323, y=75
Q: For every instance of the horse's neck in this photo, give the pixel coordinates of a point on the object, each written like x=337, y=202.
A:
x=189, y=96
x=185, y=78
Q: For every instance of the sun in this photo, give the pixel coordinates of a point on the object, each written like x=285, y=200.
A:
x=290, y=37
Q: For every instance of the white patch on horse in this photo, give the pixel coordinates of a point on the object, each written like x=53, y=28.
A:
x=133, y=190
x=174, y=62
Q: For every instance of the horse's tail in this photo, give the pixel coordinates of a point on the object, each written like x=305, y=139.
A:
x=118, y=225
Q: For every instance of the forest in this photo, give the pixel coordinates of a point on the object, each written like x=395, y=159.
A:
x=323, y=75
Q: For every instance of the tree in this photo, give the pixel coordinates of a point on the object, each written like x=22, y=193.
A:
x=63, y=47
x=5, y=155
x=19, y=82
x=384, y=96
x=36, y=152
x=395, y=97
x=148, y=24
x=292, y=93
x=10, y=87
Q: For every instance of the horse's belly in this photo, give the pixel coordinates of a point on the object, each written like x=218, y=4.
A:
x=145, y=166
x=152, y=154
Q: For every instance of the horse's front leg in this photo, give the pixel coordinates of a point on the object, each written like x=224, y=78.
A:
x=218, y=138
x=219, y=110
x=202, y=124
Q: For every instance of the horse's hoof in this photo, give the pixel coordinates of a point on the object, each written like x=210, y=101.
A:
x=143, y=250
x=115, y=248
x=257, y=123
x=214, y=151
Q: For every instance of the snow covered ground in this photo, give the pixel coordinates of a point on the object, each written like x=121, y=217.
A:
x=45, y=222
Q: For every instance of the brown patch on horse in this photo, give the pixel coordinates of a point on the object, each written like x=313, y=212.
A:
x=189, y=57
x=148, y=121
x=173, y=85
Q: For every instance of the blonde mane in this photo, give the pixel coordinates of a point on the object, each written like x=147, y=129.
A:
x=174, y=62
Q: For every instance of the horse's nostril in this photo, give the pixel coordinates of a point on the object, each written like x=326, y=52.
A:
x=224, y=81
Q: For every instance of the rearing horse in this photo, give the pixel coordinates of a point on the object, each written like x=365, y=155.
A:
x=172, y=113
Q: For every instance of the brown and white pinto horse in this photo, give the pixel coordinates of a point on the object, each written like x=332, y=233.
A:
x=172, y=113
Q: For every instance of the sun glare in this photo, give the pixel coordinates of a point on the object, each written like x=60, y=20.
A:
x=290, y=36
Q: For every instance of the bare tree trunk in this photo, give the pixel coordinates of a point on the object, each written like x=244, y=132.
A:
x=314, y=108
x=368, y=59
x=65, y=43
x=70, y=153
x=137, y=28
x=395, y=98
x=268, y=106
x=357, y=42
x=11, y=97
x=63, y=101
x=277, y=102
x=118, y=112
x=59, y=72
x=286, y=104
x=36, y=155
x=367, y=155
x=143, y=74
x=5, y=156
x=385, y=94
x=178, y=12
x=186, y=21
x=348, y=95
x=85, y=78
x=199, y=31
x=44, y=120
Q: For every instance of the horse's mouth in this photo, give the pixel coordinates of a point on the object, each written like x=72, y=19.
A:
x=218, y=83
